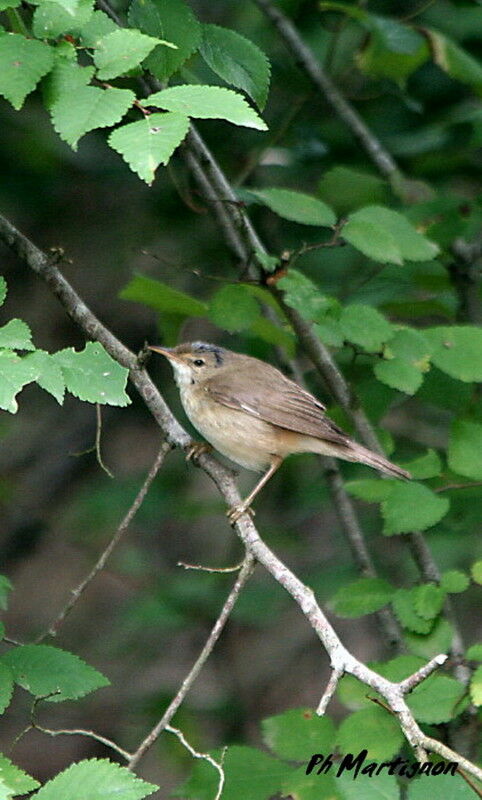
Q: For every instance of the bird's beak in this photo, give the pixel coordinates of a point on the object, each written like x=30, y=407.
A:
x=165, y=351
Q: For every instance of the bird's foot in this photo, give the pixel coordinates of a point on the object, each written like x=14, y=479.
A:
x=234, y=513
x=196, y=449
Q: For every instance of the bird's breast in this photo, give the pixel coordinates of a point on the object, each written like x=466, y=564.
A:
x=243, y=438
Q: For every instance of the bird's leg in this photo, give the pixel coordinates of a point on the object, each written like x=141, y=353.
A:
x=195, y=449
x=235, y=512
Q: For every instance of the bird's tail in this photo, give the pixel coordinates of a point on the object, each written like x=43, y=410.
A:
x=356, y=452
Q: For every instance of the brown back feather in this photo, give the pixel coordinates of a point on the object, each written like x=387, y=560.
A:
x=266, y=393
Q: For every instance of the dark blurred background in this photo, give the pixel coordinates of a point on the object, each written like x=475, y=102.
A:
x=144, y=619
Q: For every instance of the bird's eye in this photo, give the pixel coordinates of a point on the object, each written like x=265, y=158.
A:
x=198, y=362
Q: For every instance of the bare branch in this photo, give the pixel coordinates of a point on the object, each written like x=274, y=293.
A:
x=308, y=62
x=204, y=756
x=188, y=681
x=77, y=593
x=330, y=690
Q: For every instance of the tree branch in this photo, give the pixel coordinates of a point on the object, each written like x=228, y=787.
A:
x=341, y=659
x=308, y=62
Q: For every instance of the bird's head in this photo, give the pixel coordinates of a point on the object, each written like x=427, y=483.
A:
x=193, y=362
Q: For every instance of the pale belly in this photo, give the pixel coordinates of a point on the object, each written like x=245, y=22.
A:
x=243, y=438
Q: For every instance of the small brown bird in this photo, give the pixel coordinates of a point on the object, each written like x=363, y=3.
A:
x=255, y=415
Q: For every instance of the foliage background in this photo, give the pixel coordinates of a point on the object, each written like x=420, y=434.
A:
x=144, y=619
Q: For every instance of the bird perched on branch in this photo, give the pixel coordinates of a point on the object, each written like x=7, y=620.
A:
x=256, y=416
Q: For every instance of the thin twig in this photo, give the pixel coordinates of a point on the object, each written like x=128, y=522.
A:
x=81, y=732
x=452, y=486
x=330, y=690
x=188, y=681
x=77, y=593
x=205, y=756
x=98, y=435
x=200, y=568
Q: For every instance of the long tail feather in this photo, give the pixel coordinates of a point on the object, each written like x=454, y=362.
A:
x=361, y=454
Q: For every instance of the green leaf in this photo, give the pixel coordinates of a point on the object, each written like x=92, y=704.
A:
x=42, y=670
x=435, y=700
x=399, y=374
x=95, y=779
x=386, y=236
x=162, y=297
x=465, y=448
x=474, y=653
x=476, y=571
x=329, y=332
x=346, y=189
x=97, y=27
x=233, y=308
x=371, y=240
x=294, y=733
x=74, y=115
x=3, y=290
x=70, y=6
x=50, y=20
x=273, y=334
x=121, y=50
x=429, y=600
x=4, y=4
x=454, y=581
x=66, y=78
x=15, y=373
x=412, y=507
x=368, y=787
x=427, y=466
x=303, y=295
x=406, y=359
x=5, y=588
x=454, y=61
x=150, y=142
x=6, y=692
x=296, y=206
x=92, y=375
x=22, y=63
x=48, y=374
x=365, y=326
x=403, y=603
x=171, y=20
x=268, y=262
x=16, y=335
x=361, y=597
x=301, y=786
x=237, y=61
x=207, y=102
x=15, y=778
x=450, y=787
x=372, y=490
x=457, y=350
x=381, y=734
x=250, y=775
x=438, y=640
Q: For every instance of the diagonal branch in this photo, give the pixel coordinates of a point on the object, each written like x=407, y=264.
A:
x=79, y=590
x=308, y=62
x=341, y=659
x=188, y=681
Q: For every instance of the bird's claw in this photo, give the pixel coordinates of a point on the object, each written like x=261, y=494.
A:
x=196, y=449
x=234, y=513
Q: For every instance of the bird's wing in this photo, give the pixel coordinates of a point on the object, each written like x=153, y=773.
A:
x=275, y=399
